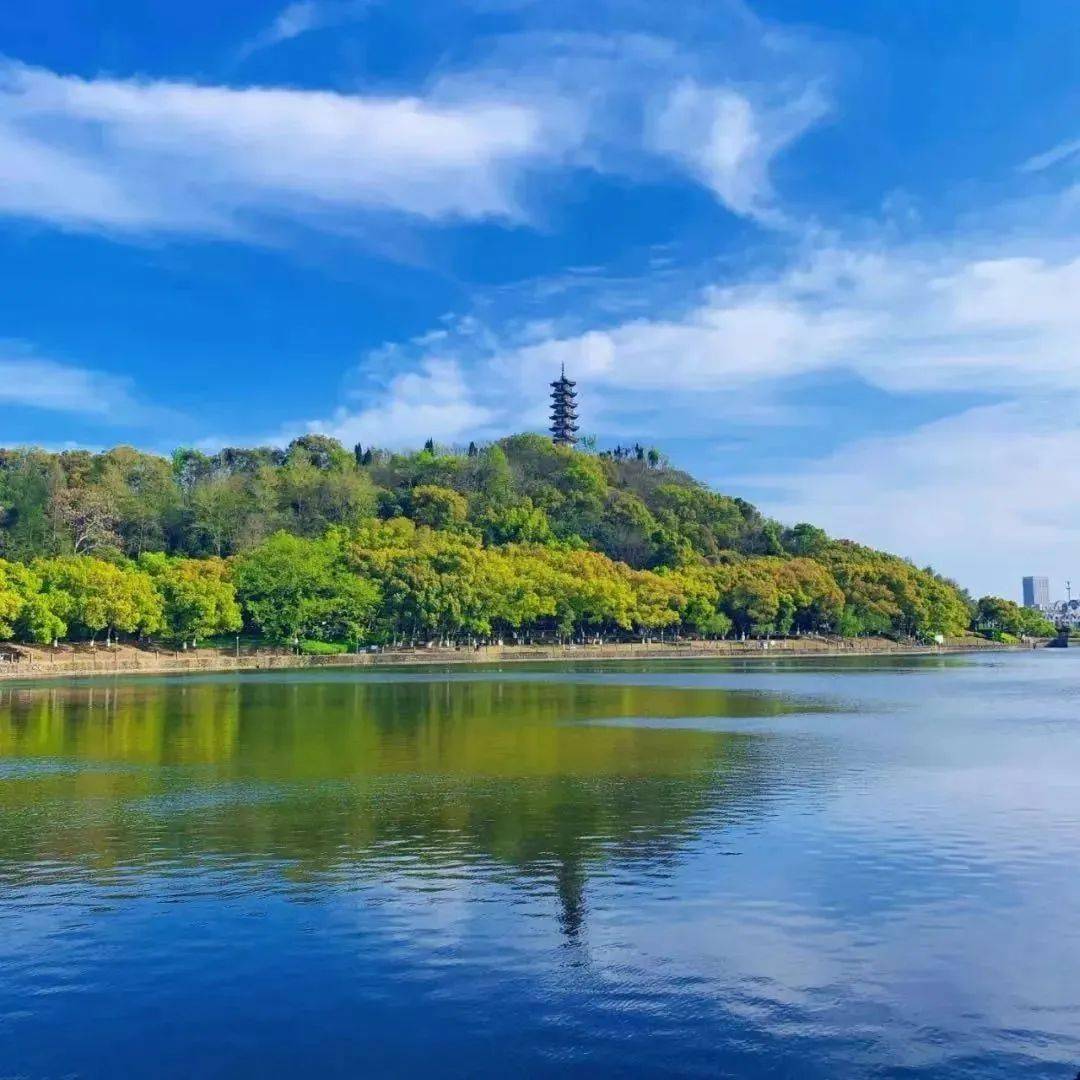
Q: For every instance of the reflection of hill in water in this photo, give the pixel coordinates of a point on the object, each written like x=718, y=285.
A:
x=365, y=776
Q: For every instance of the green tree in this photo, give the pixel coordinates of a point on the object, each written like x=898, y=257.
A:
x=520, y=537
x=626, y=530
x=198, y=595
x=519, y=524
x=25, y=612
x=292, y=587
x=230, y=512
x=494, y=478
x=438, y=507
x=12, y=597
x=141, y=493
x=320, y=451
x=804, y=539
x=994, y=614
x=91, y=595
x=312, y=499
x=30, y=481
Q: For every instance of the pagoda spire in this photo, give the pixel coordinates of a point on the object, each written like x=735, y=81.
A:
x=564, y=427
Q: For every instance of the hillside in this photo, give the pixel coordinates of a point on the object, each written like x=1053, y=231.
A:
x=518, y=539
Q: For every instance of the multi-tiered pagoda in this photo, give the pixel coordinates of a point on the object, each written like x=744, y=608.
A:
x=564, y=426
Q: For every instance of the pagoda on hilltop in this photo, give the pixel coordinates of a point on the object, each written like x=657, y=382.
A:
x=564, y=426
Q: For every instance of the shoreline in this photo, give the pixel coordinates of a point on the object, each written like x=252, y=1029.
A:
x=45, y=665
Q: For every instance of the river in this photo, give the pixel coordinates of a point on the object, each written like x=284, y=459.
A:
x=805, y=868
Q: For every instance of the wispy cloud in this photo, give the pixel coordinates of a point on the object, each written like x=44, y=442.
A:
x=301, y=18
x=35, y=382
x=727, y=141
x=433, y=401
x=165, y=156
x=907, y=320
x=650, y=106
x=1064, y=151
x=135, y=156
x=987, y=495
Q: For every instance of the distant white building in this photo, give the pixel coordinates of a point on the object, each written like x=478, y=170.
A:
x=1037, y=592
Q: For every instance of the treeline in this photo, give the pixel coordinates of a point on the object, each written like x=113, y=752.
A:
x=1005, y=620
x=518, y=539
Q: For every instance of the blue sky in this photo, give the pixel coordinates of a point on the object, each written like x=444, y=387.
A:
x=823, y=254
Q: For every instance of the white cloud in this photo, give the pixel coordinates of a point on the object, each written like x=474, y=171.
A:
x=906, y=320
x=136, y=155
x=435, y=401
x=39, y=383
x=728, y=142
x=717, y=113
x=48, y=183
x=725, y=343
x=303, y=17
x=141, y=156
x=985, y=496
x=1064, y=151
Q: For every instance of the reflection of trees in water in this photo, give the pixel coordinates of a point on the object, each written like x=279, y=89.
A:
x=367, y=777
x=570, y=885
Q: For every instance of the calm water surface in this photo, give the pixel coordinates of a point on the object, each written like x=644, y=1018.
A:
x=794, y=869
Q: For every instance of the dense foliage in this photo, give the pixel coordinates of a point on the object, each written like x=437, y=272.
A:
x=1005, y=619
x=519, y=539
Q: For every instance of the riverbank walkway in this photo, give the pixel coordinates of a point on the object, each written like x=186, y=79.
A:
x=42, y=662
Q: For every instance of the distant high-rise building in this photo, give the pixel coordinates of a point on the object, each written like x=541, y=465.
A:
x=1037, y=592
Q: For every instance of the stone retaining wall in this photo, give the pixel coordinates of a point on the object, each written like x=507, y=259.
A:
x=39, y=663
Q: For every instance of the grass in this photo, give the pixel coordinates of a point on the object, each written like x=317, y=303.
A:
x=324, y=648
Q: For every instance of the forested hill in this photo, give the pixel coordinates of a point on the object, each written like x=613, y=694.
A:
x=519, y=538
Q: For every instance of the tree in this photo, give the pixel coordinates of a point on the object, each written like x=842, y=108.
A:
x=804, y=539
x=520, y=524
x=39, y=621
x=657, y=601
x=292, y=587
x=198, y=595
x=320, y=451
x=231, y=512
x=519, y=537
x=140, y=490
x=626, y=530
x=708, y=522
x=24, y=612
x=886, y=594
x=750, y=596
x=190, y=468
x=700, y=594
x=438, y=507
x=994, y=614
x=90, y=517
x=29, y=483
x=494, y=479
x=91, y=595
x=312, y=499
x=12, y=597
